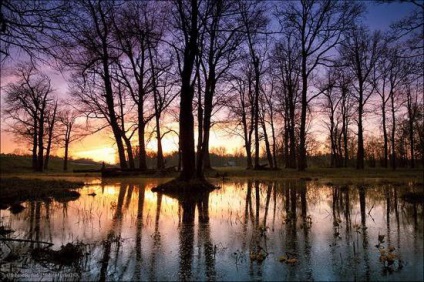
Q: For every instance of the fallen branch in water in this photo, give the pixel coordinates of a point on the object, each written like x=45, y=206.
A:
x=26, y=240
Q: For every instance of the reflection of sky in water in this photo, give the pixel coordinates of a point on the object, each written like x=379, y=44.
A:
x=134, y=234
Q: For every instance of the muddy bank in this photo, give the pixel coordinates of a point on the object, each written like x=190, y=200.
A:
x=14, y=190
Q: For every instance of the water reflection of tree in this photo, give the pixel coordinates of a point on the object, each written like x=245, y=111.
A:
x=352, y=205
x=188, y=204
x=39, y=229
x=138, y=234
x=35, y=219
x=113, y=236
x=156, y=240
x=296, y=193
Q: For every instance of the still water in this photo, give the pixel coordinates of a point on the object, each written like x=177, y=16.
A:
x=246, y=230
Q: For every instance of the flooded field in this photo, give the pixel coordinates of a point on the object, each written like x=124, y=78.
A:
x=249, y=230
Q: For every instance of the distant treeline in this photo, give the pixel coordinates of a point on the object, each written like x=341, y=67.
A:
x=11, y=162
x=237, y=160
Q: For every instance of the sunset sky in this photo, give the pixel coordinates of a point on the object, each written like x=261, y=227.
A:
x=101, y=147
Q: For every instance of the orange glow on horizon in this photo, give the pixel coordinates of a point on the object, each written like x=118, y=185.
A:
x=101, y=154
x=101, y=147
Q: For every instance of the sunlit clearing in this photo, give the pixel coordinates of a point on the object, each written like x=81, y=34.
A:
x=105, y=154
x=169, y=145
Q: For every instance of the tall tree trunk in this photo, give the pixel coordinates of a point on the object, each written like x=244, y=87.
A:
x=247, y=139
x=65, y=158
x=160, y=163
x=48, y=149
x=111, y=109
x=274, y=144
x=180, y=159
x=50, y=137
x=34, y=144
x=40, y=158
x=385, y=139
x=392, y=100
x=210, y=90
x=345, y=129
x=345, y=149
x=267, y=146
x=360, y=154
x=186, y=99
x=200, y=125
x=286, y=143
x=302, y=134
x=293, y=150
x=340, y=147
x=332, y=141
x=411, y=129
x=187, y=131
x=256, y=115
x=130, y=153
x=142, y=159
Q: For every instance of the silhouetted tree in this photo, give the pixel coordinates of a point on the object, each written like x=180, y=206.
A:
x=27, y=26
x=138, y=29
x=51, y=118
x=87, y=48
x=318, y=27
x=243, y=110
x=27, y=103
x=361, y=51
x=414, y=106
x=69, y=130
x=186, y=15
x=220, y=36
x=254, y=22
x=393, y=71
x=286, y=61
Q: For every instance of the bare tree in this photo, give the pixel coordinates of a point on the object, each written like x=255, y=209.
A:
x=51, y=126
x=269, y=117
x=186, y=15
x=254, y=24
x=242, y=108
x=27, y=103
x=87, y=47
x=392, y=72
x=220, y=37
x=414, y=102
x=162, y=78
x=318, y=26
x=344, y=85
x=27, y=25
x=70, y=130
x=330, y=106
x=361, y=51
x=410, y=29
x=139, y=29
x=286, y=61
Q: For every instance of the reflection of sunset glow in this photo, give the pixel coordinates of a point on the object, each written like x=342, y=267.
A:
x=110, y=191
x=136, y=225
